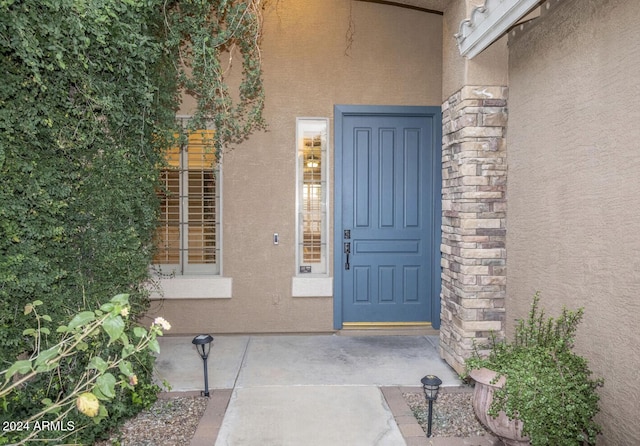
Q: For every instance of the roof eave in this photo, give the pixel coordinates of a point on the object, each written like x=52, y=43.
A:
x=488, y=22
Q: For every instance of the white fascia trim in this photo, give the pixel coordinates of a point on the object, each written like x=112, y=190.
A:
x=488, y=22
x=194, y=287
x=312, y=287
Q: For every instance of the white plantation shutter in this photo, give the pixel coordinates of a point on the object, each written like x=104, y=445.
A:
x=189, y=227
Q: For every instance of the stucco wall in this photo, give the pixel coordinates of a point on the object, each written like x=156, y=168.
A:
x=488, y=68
x=574, y=187
x=394, y=58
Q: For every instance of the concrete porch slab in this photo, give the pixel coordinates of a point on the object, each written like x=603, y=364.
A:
x=271, y=360
x=341, y=360
x=180, y=364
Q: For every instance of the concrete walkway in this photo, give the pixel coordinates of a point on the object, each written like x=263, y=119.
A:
x=317, y=390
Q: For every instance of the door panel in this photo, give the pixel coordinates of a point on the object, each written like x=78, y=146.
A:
x=386, y=181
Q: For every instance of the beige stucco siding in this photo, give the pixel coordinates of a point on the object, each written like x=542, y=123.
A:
x=574, y=187
x=487, y=68
x=316, y=53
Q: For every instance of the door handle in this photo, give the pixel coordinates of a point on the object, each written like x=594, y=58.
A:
x=347, y=251
x=347, y=247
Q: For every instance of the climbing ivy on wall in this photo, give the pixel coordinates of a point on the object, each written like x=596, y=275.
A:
x=88, y=95
x=208, y=36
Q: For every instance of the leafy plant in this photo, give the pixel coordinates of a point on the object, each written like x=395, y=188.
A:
x=101, y=375
x=205, y=37
x=88, y=95
x=548, y=387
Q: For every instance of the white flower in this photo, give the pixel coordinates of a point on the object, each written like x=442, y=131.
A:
x=163, y=323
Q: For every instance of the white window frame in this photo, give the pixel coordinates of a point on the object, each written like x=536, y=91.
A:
x=184, y=268
x=309, y=124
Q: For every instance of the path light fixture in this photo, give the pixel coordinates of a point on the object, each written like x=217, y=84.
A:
x=203, y=346
x=430, y=385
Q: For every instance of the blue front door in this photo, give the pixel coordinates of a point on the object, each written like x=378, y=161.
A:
x=387, y=214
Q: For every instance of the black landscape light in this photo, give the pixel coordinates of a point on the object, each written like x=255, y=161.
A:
x=203, y=345
x=430, y=385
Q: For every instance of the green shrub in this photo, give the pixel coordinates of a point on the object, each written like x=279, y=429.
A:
x=93, y=368
x=88, y=95
x=548, y=387
x=79, y=104
x=85, y=96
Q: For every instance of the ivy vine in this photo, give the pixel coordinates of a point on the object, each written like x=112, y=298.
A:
x=89, y=90
x=206, y=36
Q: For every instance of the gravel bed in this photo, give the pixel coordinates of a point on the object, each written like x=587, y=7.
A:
x=453, y=414
x=169, y=422
x=173, y=421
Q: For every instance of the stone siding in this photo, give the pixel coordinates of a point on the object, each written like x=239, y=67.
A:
x=474, y=174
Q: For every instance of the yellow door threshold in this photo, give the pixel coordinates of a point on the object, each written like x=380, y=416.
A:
x=387, y=328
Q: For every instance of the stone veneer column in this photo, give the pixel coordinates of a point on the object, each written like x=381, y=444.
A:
x=474, y=173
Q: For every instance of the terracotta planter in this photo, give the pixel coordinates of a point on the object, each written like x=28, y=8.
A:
x=509, y=431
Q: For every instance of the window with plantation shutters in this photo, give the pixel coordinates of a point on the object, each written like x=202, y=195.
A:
x=187, y=238
x=312, y=195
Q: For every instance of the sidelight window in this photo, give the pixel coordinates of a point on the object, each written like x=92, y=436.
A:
x=312, y=137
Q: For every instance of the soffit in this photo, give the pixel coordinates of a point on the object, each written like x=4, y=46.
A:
x=427, y=5
x=488, y=21
x=435, y=5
